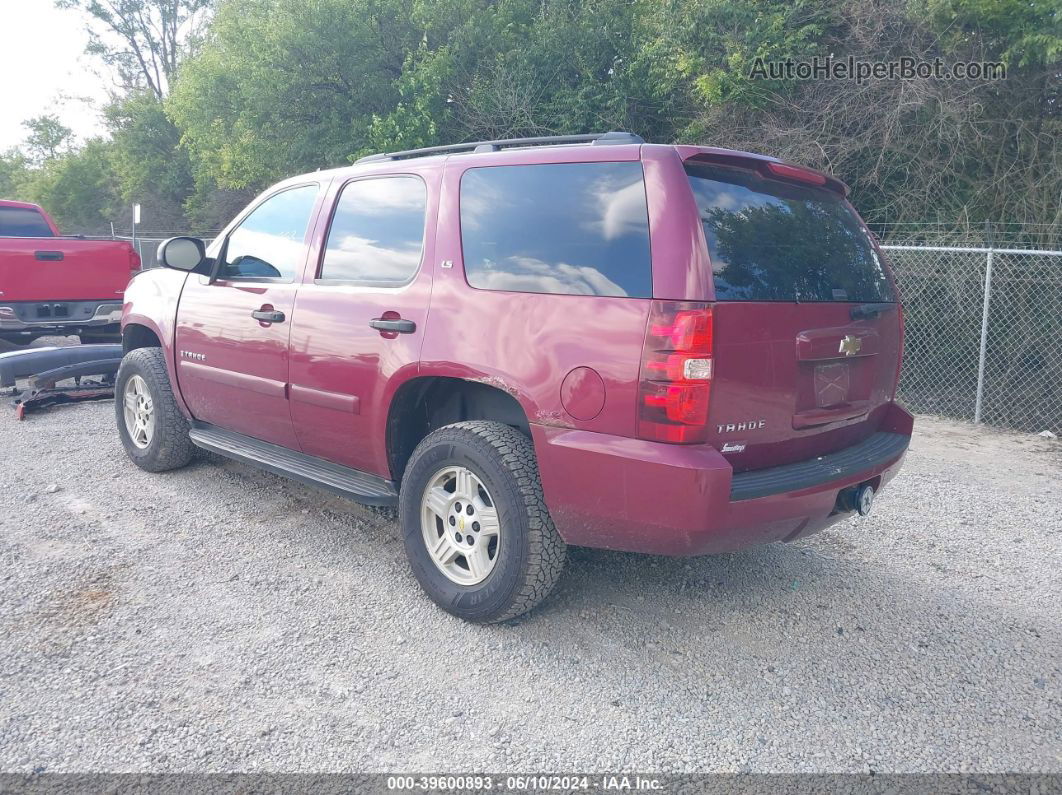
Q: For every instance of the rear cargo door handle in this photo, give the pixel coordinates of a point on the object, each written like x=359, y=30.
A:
x=398, y=326
x=869, y=310
x=268, y=315
x=48, y=256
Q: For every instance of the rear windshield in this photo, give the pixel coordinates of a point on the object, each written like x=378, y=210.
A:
x=773, y=241
x=23, y=222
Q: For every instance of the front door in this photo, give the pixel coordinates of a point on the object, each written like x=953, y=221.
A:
x=232, y=334
x=359, y=321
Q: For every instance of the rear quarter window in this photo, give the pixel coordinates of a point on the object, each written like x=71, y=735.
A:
x=23, y=222
x=773, y=241
x=563, y=228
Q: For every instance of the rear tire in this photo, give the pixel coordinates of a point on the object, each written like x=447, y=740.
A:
x=153, y=430
x=487, y=573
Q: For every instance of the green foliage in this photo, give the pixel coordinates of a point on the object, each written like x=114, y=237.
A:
x=272, y=88
x=78, y=190
x=1020, y=32
x=290, y=85
x=48, y=139
x=150, y=166
x=701, y=52
x=13, y=171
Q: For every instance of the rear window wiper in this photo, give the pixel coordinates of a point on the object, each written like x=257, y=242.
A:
x=869, y=310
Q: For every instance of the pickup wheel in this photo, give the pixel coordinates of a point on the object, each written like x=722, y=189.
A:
x=153, y=430
x=475, y=525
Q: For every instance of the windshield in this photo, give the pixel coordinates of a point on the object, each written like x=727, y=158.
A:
x=774, y=241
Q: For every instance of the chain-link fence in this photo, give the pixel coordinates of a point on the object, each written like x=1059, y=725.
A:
x=983, y=331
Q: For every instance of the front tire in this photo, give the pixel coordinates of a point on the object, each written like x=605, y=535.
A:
x=477, y=533
x=151, y=426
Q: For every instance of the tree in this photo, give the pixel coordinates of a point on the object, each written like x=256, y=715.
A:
x=150, y=166
x=286, y=85
x=153, y=37
x=48, y=139
x=13, y=171
x=78, y=189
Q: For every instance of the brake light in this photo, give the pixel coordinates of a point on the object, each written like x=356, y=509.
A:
x=676, y=373
x=799, y=174
x=134, y=260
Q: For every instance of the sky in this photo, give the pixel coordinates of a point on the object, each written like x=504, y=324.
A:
x=43, y=69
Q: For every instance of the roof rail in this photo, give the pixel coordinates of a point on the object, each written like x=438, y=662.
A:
x=613, y=137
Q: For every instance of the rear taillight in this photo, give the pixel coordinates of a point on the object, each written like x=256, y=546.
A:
x=134, y=260
x=676, y=373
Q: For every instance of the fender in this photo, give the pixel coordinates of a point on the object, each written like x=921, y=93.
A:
x=151, y=301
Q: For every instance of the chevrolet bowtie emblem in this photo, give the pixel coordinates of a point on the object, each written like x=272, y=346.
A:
x=850, y=346
x=461, y=522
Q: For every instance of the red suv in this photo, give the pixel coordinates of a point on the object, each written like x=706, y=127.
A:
x=531, y=343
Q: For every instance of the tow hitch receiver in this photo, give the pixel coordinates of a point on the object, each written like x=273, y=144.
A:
x=857, y=498
x=864, y=499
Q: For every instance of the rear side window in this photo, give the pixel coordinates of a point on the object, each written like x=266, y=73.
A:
x=270, y=243
x=570, y=228
x=772, y=241
x=23, y=222
x=377, y=232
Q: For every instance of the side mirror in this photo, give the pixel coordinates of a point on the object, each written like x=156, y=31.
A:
x=182, y=253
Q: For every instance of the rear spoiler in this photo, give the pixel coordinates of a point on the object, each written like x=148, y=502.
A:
x=770, y=168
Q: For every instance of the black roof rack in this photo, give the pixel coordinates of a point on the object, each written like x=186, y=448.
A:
x=493, y=146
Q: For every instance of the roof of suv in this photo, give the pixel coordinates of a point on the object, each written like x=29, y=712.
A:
x=624, y=145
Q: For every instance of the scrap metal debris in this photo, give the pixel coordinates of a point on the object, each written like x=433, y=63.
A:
x=97, y=362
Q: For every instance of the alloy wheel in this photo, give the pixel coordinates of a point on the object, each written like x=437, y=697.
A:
x=139, y=411
x=459, y=524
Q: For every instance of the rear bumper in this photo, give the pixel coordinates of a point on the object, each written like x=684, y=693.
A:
x=21, y=319
x=629, y=494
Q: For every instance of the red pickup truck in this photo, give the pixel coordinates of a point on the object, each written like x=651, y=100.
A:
x=54, y=285
x=533, y=343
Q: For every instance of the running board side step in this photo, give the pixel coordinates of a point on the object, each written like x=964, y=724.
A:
x=347, y=482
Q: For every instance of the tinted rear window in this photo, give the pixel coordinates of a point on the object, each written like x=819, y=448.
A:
x=572, y=228
x=23, y=222
x=772, y=241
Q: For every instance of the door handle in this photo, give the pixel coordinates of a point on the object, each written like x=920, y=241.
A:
x=869, y=310
x=397, y=326
x=48, y=256
x=268, y=315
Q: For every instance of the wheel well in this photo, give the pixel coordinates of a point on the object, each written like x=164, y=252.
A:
x=135, y=336
x=427, y=404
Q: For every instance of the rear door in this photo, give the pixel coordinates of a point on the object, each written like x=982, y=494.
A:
x=232, y=334
x=807, y=328
x=360, y=317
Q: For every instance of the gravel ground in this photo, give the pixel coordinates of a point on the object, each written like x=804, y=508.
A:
x=223, y=619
